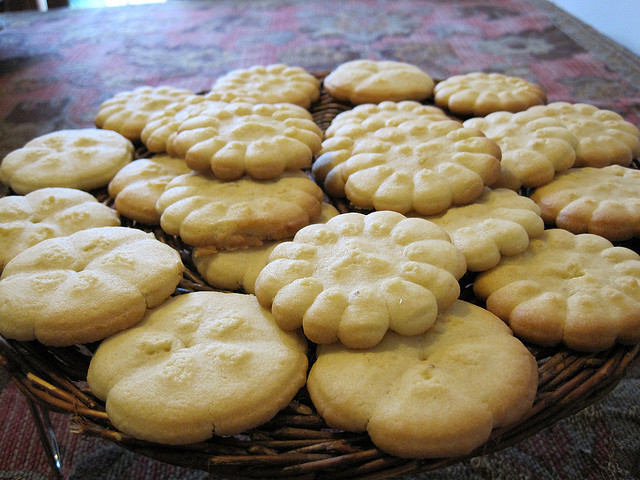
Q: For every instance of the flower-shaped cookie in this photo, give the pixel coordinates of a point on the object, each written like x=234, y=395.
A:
x=208, y=212
x=48, y=213
x=370, y=81
x=480, y=94
x=439, y=394
x=128, y=112
x=533, y=148
x=259, y=140
x=576, y=289
x=499, y=223
x=138, y=185
x=85, y=158
x=357, y=276
x=604, y=137
x=604, y=201
x=420, y=165
x=275, y=83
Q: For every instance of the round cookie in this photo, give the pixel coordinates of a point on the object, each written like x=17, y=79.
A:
x=85, y=159
x=357, y=276
x=604, y=201
x=480, y=94
x=86, y=286
x=128, y=112
x=371, y=81
x=207, y=212
x=202, y=363
x=138, y=185
x=258, y=140
x=48, y=213
x=439, y=394
x=275, y=83
x=579, y=290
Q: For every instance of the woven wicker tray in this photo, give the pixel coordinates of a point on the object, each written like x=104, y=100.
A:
x=297, y=443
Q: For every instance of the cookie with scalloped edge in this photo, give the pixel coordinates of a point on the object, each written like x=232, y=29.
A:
x=578, y=290
x=499, y=223
x=208, y=212
x=86, y=286
x=48, y=213
x=480, y=93
x=202, y=363
x=128, y=112
x=439, y=394
x=273, y=83
x=422, y=165
x=85, y=158
x=258, y=140
x=357, y=276
x=375, y=81
x=533, y=148
x=604, y=201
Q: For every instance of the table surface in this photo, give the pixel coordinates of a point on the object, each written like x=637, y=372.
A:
x=57, y=67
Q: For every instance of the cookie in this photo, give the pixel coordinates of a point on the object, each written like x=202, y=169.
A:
x=85, y=159
x=258, y=140
x=578, y=290
x=202, y=363
x=86, y=286
x=357, y=276
x=604, y=137
x=480, y=94
x=128, y=112
x=138, y=185
x=371, y=81
x=534, y=149
x=207, y=212
x=275, y=83
x=423, y=165
x=48, y=213
x=439, y=394
x=604, y=201
x=499, y=223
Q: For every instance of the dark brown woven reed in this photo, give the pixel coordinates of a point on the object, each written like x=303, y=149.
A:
x=297, y=443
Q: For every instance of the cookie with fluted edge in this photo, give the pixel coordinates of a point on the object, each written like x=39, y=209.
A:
x=208, y=212
x=480, y=93
x=375, y=81
x=85, y=158
x=578, y=290
x=439, y=394
x=86, y=286
x=200, y=364
x=357, y=276
x=48, y=213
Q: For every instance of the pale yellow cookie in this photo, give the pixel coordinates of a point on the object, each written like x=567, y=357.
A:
x=499, y=223
x=128, y=112
x=604, y=201
x=439, y=394
x=138, y=185
x=86, y=286
x=579, y=290
x=480, y=94
x=85, y=158
x=604, y=137
x=48, y=213
x=533, y=148
x=423, y=165
x=275, y=83
x=202, y=363
x=357, y=276
x=207, y=212
x=259, y=140
x=371, y=81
